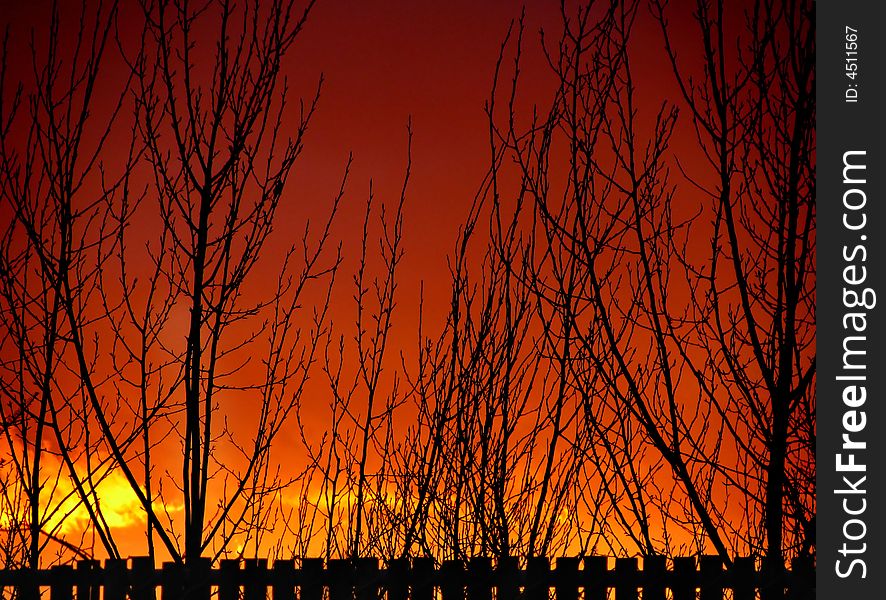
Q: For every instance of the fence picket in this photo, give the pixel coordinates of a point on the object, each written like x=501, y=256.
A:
x=341, y=580
x=312, y=579
x=283, y=580
x=683, y=578
x=802, y=578
x=506, y=573
x=62, y=583
x=228, y=581
x=594, y=577
x=255, y=579
x=27, y=588
x=654, y=569
x=422, y=579
x=771, y=582
x=171, y=582
x=567, y=578
x=588, y=578
x=451, y=580
x=195, y=584
x=626, y=579
x=116, y=580
x=86, y=588
x=711, y=578
x=398, y=579
x=480, y=578
x=742, y=576
x=538, y=571
x=141, y=578
x=366, y=578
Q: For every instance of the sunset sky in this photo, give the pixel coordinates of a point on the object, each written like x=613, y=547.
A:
x=384, y=63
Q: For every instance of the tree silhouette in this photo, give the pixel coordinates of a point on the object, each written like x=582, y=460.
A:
x=756, y=296
x=55, y=239
x=207, y=165
x=625, y=365
x=695, y=368
x=220, y=156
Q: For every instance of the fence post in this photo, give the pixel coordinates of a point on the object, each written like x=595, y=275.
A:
x=195, y=580
x=626, y=579
x=567, y=578
x=654, y=568
x=171, y=581
x=229, y=579
x=538, y=573
x=366, y=578
x=62, y=585
x=683, y=578
x=360, y=579
x=341, y=579
x=772, y=580
x=422, y=581
x=595, y=577
x=398, y=577
x=742, y=578
x=711, y=568
x=452, y=584
x=802, y=579
x=141, y=578
x=506, y=582
x=86, y=588
x=283, y=580
x=311, y=584
x=255, y=579
x=480, y=578
x=116, y=581
x=27, y=587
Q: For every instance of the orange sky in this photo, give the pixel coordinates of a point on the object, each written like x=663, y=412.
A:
x=384, y=62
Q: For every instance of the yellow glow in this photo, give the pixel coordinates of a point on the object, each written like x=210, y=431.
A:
x=61, y=506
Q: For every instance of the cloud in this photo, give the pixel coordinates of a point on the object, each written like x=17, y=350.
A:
x=62, y=509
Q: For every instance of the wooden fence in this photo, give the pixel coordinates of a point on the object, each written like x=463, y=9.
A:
x=589, y=578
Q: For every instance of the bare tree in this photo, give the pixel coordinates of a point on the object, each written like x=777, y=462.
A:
x=672, y=354
x=219, y=138
x=350, y=464
x=492, y=465
x=626, y=364
x=756, y=125
x=55, y=239
x=99, y=378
